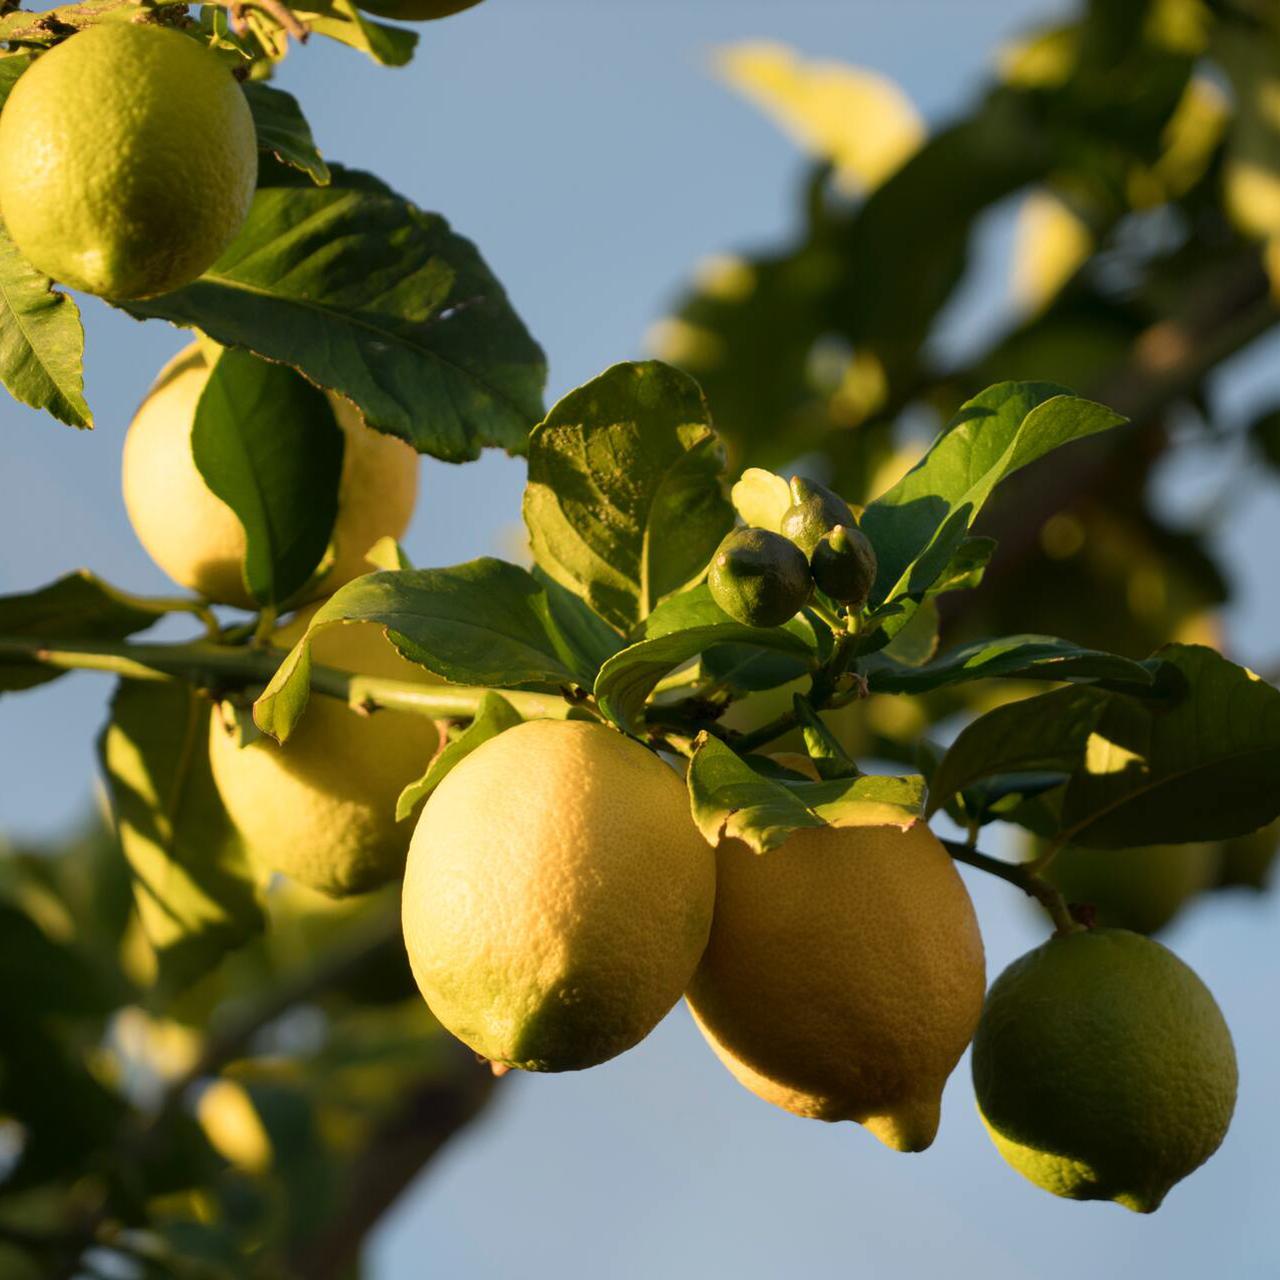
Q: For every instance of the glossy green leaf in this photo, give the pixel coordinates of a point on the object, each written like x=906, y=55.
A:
x=624, y=503
x=1014, y=658
x=494, y=715
x=283, y=130
x=482, y=623
x=195, y=893
x=678, y=630
x=268, y=444
x=342, y=21
x=730, y=800
x=1204, y=769
x=1045, y=734
x=367, y=295
x=41, y=340
x=918, y=527
x=80, y=607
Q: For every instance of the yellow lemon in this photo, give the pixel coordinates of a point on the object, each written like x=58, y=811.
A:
x=198, y=540
x=844, y=976
x=557, y=896
x=1103, y=1068
x=128, y=160
x=321, y=807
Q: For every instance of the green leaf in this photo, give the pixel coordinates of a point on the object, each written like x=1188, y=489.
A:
x=268, y=444
x=194, y=890
x=624, y=502
x=920, y=524
x=283, y=130
x=1045, y=734
x=745, y=669
x=494, y=715
x=676, y=631
x=1012, y=658
x=482, y=623
x=42, y=976
x=340, y=20
x=368, y=296
x=78, y=607
x=761, y=498
x=41, y=340
x=1204, y=769
x=828, y=756
x=730, y=800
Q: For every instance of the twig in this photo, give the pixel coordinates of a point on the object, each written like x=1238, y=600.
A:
x=1023, y=877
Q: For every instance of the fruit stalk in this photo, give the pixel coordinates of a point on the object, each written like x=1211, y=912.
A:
x=1024, y=878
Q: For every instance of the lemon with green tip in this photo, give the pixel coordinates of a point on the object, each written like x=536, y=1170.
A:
x=128, y=160
x=320, y=808
x=198, y=540
x=557, y=896
x=844, y=976
x=1103, y=1068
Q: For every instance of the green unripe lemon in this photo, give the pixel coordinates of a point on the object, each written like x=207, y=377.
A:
x=128, y=159
x=557, y=896
x=320, y=808
x=844, y=565
x=416, y=10
x=1103, y=1068
x=759, y=578
x=814, y=511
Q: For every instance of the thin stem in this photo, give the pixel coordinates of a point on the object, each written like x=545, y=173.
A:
x=224, y=668
x=1024, y=878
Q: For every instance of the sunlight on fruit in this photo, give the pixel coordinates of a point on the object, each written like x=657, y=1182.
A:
x=233, y=1126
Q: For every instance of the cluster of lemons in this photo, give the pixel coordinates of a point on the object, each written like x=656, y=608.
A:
x=558, y=899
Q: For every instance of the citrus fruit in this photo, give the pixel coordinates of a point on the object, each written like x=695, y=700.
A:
x=844, y=976
x=321, y=807
x=416, y=10
x=557, y=896
x=198, y=540
x=1103, y=1068
x=844, y=565
x=128, y=159
x=1140, y=889
x=759, y=578
x=814, y=511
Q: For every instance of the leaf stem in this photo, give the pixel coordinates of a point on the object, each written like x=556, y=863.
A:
x=1024, y=878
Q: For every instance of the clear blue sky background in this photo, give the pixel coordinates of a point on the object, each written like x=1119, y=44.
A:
x=585, y=147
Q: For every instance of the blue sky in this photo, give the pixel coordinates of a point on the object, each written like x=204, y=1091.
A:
x=585, y=147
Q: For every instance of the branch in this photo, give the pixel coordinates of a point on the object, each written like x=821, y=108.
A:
x=226, y=668
x=1024, y=878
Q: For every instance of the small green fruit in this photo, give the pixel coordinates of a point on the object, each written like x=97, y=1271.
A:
x=759, y=578
x=813, y=513
x=1103, y=1068
x=844, y=565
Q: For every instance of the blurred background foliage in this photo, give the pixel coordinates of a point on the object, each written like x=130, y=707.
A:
x=260, y=1122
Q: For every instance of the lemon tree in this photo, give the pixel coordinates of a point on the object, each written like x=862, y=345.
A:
x=725, y=734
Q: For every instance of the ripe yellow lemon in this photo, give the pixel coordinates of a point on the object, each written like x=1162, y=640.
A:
x=321, y=807
x=844, y=976
x=557, y=896
x=128, y=160
x=1103, y=1068
x=198, y=540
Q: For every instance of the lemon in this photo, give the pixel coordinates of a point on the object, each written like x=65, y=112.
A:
x=128, y=160
x=198, y=540
x=557, y=896
x=1103, y=1068
x=844, y=976
x=759, y=578
x=321, y=807
x=416, y=10
x=1140, y=889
